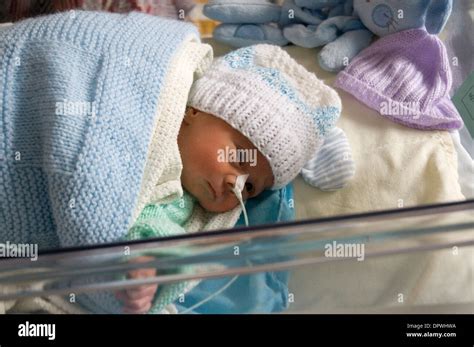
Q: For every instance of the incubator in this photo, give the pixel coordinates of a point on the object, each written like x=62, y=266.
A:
x=398, y=238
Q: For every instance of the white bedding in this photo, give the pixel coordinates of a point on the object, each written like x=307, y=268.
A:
x=465, y=164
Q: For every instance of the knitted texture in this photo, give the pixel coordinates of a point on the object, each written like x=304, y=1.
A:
x=333, y=167
x=161, y=221
x=406, y=77
x=73, y=179
x=161, y=181
x=155, y=220
x=283, y=109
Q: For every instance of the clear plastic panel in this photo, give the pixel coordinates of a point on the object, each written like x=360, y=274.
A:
x=396, y=259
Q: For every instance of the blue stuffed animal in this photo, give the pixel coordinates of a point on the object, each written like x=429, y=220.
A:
x=306, y=23
x=384, y=17
x=342, y=28
x=247, y=22
x=341, y=35
x=379, y=17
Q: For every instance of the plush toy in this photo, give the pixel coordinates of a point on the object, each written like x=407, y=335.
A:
x=341, y=35
x=382, y=18
x=343, y=28
x=247, y=22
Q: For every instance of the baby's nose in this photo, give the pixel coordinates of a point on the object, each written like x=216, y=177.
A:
x=229, y=183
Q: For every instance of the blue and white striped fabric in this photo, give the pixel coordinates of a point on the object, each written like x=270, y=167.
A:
x=332, y=167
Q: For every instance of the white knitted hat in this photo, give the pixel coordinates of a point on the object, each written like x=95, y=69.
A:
x=283, y=109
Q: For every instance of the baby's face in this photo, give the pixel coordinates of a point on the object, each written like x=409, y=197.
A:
x=210, y=150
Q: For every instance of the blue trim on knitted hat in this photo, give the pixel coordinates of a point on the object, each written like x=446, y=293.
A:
x=324, y=117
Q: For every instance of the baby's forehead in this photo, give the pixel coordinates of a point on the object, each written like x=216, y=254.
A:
x=261, y=171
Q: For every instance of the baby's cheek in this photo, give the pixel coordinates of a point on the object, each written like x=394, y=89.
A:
x=232, y=202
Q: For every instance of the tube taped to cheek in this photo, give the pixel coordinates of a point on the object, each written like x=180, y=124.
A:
x=237, y=190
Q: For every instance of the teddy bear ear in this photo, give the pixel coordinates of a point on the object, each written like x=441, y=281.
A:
x=332, y=166
x=437, y=15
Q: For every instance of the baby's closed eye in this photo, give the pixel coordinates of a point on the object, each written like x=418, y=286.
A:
x=249, y=187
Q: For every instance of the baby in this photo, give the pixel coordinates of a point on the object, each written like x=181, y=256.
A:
x=253, y=100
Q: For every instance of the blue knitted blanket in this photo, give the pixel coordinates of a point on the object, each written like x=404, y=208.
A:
x=79, y=93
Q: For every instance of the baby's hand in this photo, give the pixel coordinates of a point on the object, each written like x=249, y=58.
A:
x=138, y=299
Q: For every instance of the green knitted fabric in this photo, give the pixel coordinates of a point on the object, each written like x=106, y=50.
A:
x=160, y=221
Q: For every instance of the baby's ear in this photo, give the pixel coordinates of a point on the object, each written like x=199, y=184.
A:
x=190, y=114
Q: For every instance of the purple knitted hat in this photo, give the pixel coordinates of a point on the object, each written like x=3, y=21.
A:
x=405, y=77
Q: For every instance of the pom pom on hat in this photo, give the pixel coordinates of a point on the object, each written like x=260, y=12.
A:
x=332, y=166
